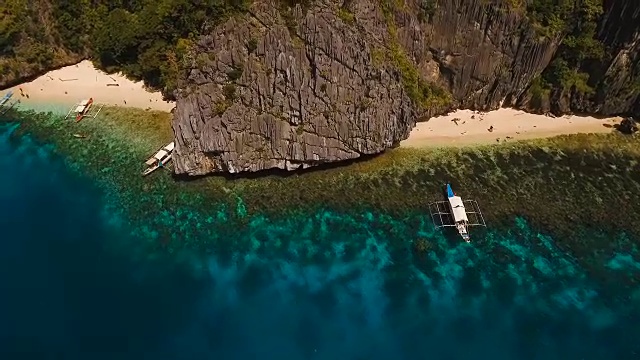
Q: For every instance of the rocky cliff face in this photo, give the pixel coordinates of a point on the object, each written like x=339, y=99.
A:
x=616, y=78
x=285, y=87
x=277, y=89
x=30, y=44
x=485, y=54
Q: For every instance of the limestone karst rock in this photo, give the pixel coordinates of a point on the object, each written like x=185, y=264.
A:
x=291, y=88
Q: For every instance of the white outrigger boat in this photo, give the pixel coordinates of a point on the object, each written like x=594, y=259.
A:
x=453, y=213
x=159, y=159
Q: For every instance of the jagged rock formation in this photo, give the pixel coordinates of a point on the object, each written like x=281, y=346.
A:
x=266, y=95
x=627, y=126
x=287, y=89
x=615, y=78
x=327, y=80
x=484, y=54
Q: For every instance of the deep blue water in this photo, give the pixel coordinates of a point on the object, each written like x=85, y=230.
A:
x=65, y=293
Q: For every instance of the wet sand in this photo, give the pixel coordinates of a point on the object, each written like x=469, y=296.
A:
x=72, y=84
x=466, y=127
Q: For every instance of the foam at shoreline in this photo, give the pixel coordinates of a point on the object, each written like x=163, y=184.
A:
x=467, y=127
x=58, y=90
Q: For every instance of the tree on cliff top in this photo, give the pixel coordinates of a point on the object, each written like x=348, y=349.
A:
x=137, y=37
x=141, y=38
x=577, y=22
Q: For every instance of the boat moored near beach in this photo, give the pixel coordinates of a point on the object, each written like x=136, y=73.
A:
x=159, y=159
x=82, y=110
x=5, y=105
x=454, y=213
x=5, y=98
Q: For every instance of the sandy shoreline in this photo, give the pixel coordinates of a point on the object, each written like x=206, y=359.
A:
x=71, y=84
x=59, y=90
x=466, y=127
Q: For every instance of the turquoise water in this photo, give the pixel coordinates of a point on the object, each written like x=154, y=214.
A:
x=319, y=286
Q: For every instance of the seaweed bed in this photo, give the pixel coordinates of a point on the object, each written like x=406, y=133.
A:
x=566, y=186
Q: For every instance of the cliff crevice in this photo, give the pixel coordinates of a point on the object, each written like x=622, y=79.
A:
x=341, y=79
x=286, y=89
x=291, y=84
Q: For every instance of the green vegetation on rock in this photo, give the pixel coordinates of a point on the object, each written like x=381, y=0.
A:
x=28, y=42
x=577, y=21
x=346, y=15
x=427, y=9
x=539, y=91
x=553, y=17
x=145, y=39
x=425, y=95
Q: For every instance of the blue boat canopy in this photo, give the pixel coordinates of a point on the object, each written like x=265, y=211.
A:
x=8, y=95
x=450, y=191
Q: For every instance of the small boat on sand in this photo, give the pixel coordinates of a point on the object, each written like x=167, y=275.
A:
x=159, y=159
x=453, y=213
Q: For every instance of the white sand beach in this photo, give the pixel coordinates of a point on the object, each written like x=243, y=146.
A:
x=72, y=84
x=466, y=127
x=61, y=89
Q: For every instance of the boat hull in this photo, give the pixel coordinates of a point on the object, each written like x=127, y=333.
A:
x=84, y=111
x=459, y=214
x=156, y=166
x=6, y=98
x=452, y=213
x=159, y=159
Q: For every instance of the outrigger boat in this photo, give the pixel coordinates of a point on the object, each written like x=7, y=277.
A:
x=82, y=110
x=159, y=159
x=5, y=105
x=6, y=98
x=454, y=213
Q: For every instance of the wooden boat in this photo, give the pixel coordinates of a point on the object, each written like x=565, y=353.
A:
x=159, y=159
x=6, y=98
x=6, y=107
x=82, y=108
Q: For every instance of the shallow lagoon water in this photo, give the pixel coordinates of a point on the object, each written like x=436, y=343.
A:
x=322, y=285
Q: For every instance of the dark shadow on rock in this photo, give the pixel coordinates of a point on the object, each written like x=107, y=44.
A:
x=279, y=172
x=627, y=126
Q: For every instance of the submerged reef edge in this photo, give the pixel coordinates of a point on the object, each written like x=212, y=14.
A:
x=565, y=185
